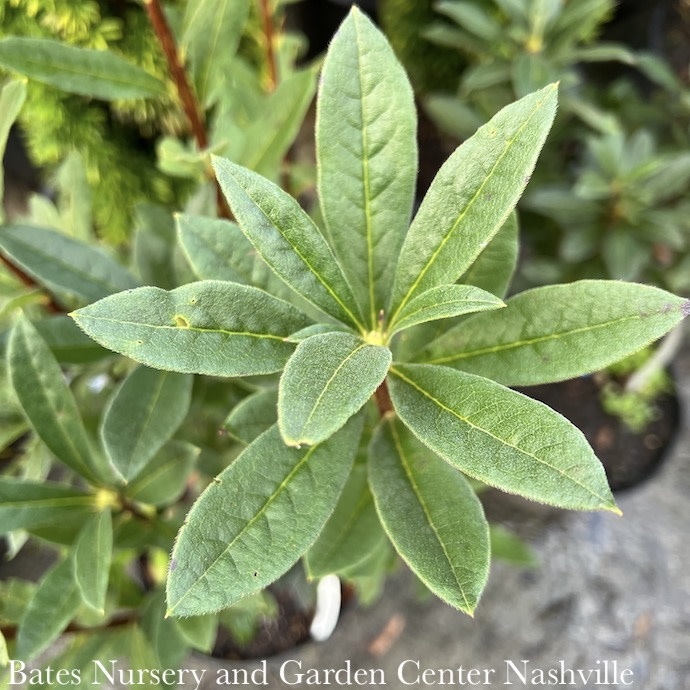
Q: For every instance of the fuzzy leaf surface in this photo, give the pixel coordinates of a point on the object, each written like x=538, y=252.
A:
x=210, y=327
x=500, y=437
x=431, y=515
x=256, y=519
x=54, y=603
x=325, y=382
x=73, y=271
x=218, y=250
x=211, y=32
x=367, y=156
x=472, y=195
x=493, y=269
x=253, y=415
x=25, y=504
x=558, y=332
x=287, y=240
x=351, y=534
x=143, y=414
x=95, y=73
x=48, y=402
x=91, y=560
x=443, y=302
x=164, y=478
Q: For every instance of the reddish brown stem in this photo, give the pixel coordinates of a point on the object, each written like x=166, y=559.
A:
x=267, y=18
x=27, y=280
x=190, y=104
x=383, y=399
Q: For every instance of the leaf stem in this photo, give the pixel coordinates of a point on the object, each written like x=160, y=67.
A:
x=383, y=399
x=267, y=18
x=190, y=104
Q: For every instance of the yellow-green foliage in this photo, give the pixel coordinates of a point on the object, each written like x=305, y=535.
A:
x=111, y=137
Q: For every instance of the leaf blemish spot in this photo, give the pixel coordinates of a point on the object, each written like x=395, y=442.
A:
x=685, y=308
x=181, y=321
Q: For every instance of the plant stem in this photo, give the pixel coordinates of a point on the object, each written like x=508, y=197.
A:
x=383, y=399
x=27, y=280
x=267, y=17
x=190, y=104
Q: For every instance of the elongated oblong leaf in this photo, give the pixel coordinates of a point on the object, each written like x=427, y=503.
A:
x=73, y=271
x=256, y=519
x=47, y=401
x=68, y=343
x=367, y=157
x=493, y=269
x=325, y=382
x=558, y=332
x=254, y=415
x=25, y=504
x=54, y=604
x=211, y=32
x=472, y=196
x=431, y=515
x=211, y=327
x=351, y=533
x=96, y=73
x=499, y=436
x=444, y=302
x=91, y=560
x=287, y=240
x=143, y=414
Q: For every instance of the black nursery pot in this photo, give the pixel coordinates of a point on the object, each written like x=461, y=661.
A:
x=628, y=458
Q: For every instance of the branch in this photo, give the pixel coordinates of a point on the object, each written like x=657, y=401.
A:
x=190, y=104
x=27, y=280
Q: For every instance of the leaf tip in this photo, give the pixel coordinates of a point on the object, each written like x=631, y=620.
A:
x=615, y=510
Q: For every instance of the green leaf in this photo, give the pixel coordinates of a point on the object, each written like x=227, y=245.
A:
x=154, y=246
x=351, y=534
x=12, y=98
x=210, y=327
x=199, y=631
x=4, y=656
x=268, y=139
x=500, y=437
x=325, y=382
x=164, y=636
x=443, y=302
x=211, y=32
x=287, y=240
x=55, y=603
x=254, y=415
x=256, y=519
x=508, y=547
x=91, y=560
x=164, y=478
x=218, y=250
x=26, y=504
x=471, y=197
x=142, y=415
x=67, y=342
x=95, y=73
x=48, y=402
x=472, y=18
x=558, y=332
x=367, y=157
x=431, y=515
x=69, y=269
x=493, y=269
x=74, y=197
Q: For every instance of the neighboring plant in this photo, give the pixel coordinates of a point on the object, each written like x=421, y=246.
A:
x=623, y=214
x=300, y=487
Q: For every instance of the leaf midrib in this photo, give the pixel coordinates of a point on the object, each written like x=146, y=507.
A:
x=271, y=499
x=495, y=438
x=410, y=477
x=470, y=204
